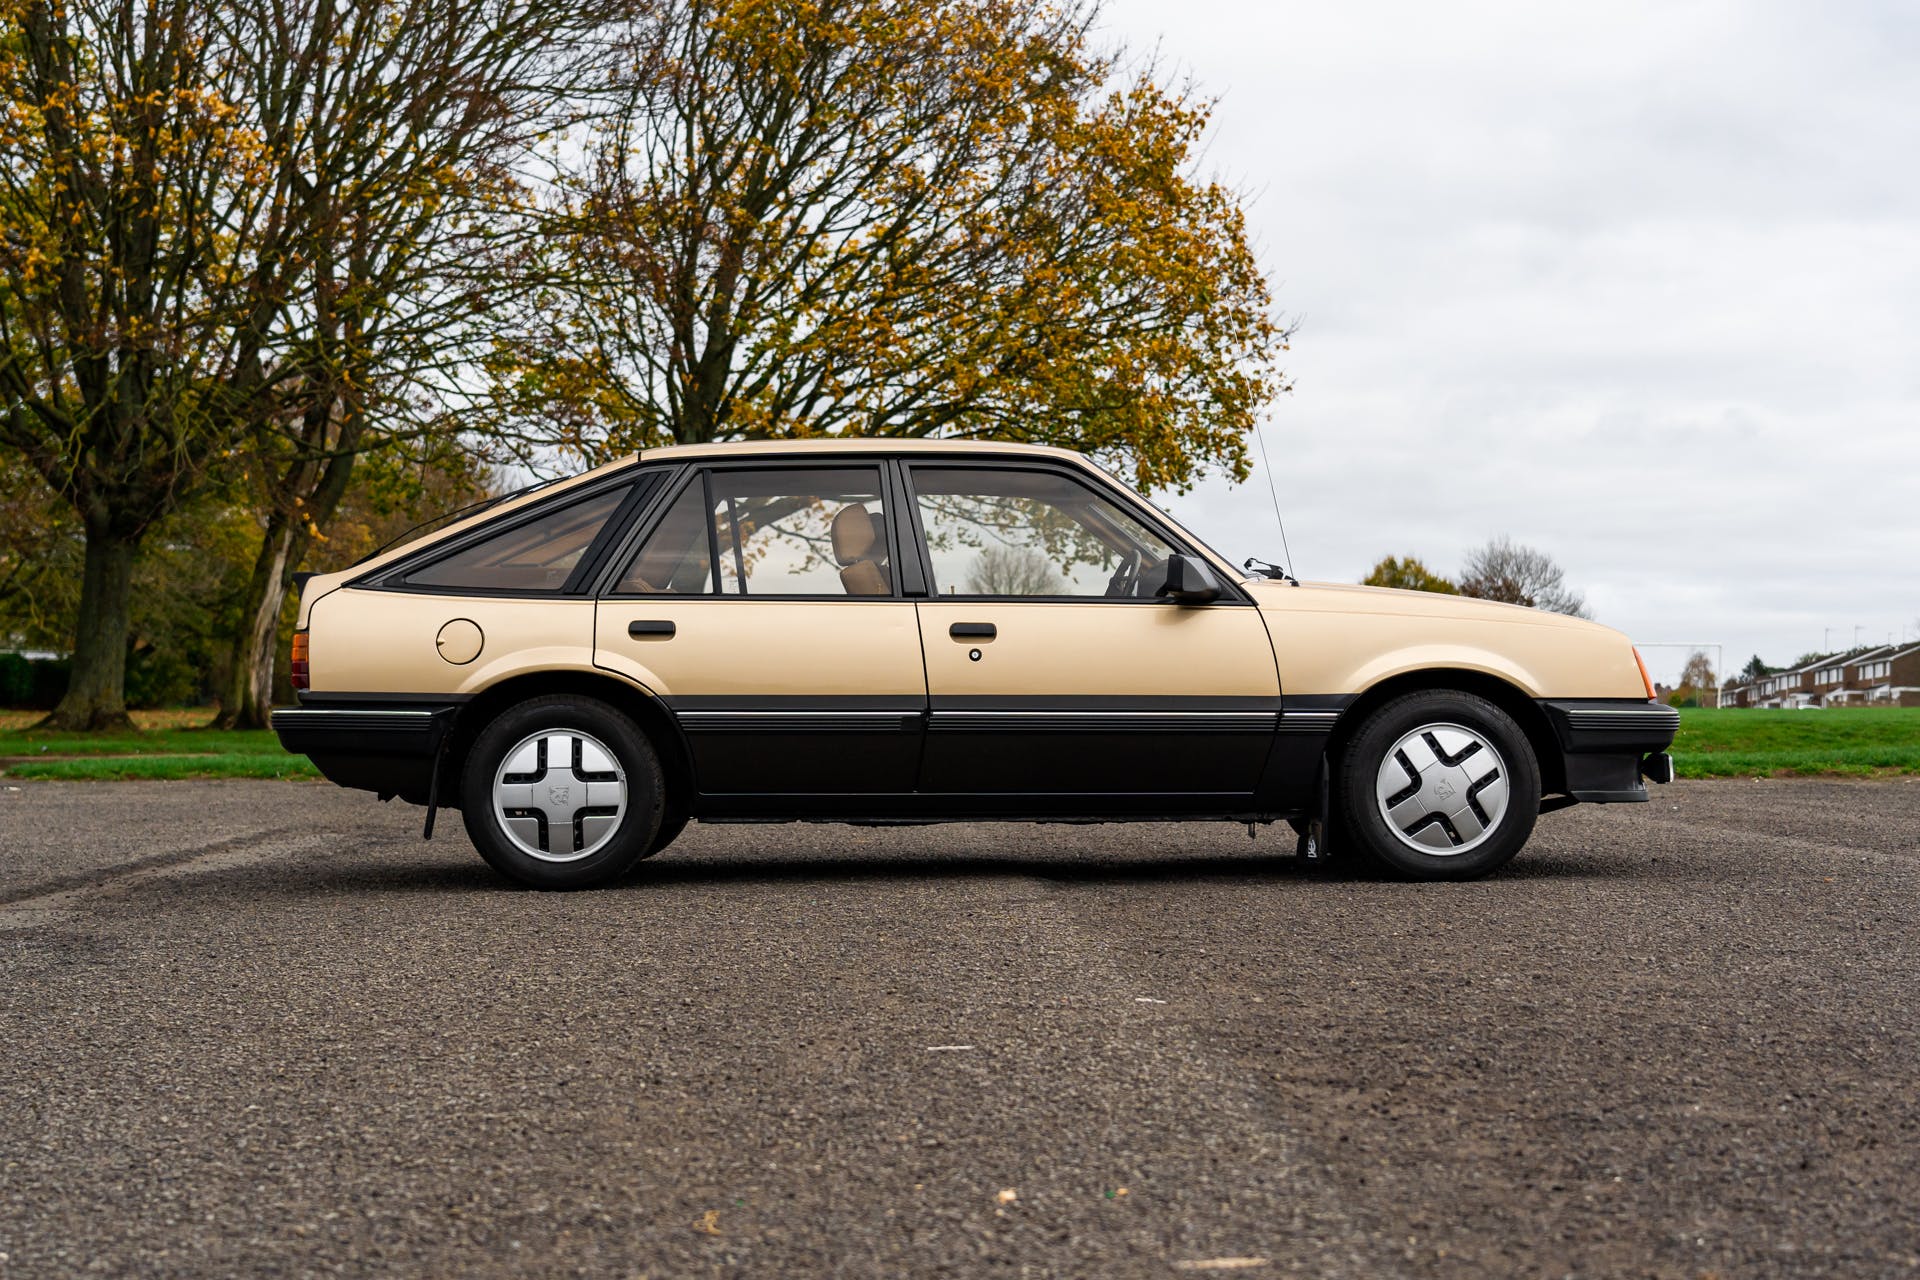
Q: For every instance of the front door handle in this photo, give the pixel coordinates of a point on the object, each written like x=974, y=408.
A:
x=641, y=630
x=973, y=631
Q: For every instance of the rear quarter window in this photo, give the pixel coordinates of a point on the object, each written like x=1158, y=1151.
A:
x=537, y=555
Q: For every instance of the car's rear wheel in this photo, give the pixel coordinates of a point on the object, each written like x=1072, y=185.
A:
x=1438, y=785
x=562, y=792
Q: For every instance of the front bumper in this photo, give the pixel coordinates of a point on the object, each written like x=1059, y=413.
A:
x=1609, y=745
x=388, y=750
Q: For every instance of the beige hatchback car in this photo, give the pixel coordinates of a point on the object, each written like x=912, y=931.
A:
x=884, y=631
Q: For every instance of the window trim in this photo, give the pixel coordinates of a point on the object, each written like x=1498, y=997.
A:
x=640, y=485
x=702, y=473
x=1144, y=513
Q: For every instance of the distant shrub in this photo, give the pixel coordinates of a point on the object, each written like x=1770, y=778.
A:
x=16, y=680
x=32, y=684
x=163, y=679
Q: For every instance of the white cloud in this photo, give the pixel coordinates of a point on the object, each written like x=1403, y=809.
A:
x=1637, y=283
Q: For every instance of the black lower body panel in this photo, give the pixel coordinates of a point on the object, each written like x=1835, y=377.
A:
x=920, y=807
x=388, y=750
x=1607, y=743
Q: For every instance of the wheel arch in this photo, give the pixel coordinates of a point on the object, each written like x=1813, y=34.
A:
x=1509, y=697
x=676, y=761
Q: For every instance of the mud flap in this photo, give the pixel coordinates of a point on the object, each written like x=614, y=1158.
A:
x=1313, y=841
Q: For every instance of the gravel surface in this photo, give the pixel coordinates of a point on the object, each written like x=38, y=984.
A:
x=260, y=1028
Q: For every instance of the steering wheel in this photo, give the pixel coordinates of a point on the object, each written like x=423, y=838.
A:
x=1125, y=579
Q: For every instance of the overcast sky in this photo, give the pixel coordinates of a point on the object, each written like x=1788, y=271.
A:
x=1638, y=284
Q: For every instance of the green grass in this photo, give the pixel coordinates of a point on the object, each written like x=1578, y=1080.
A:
x=147, y=742
x=166, y=745
x=236, y=765
x=1857, y=741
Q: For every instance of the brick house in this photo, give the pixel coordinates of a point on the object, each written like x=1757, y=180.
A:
x=1788, y=688
x=1830, y=679
x=1838, y=679
x=1888, y=677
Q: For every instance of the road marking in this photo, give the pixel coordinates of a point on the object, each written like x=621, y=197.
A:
x=947, y=1048
x=1220, y=1264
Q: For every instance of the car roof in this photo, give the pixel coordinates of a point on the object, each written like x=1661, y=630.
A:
x=845, y=444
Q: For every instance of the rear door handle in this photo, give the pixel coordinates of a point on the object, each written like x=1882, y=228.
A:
x=640, y=630
x=973, y=631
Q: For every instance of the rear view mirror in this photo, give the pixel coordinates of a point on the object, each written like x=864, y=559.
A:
x=1190, y=581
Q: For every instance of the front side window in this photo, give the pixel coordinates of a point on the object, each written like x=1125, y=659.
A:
x=538, y=555
x=1011, y=533
x=798, y=531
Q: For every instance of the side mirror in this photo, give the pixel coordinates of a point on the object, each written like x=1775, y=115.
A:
x=1190, y=581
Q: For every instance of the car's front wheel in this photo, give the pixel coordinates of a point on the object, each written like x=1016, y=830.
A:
x=562, y=792
x=1438, y=785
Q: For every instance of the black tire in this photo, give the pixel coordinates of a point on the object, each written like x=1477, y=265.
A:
x=670, y=828
x=612, y=854
x=1357, y=786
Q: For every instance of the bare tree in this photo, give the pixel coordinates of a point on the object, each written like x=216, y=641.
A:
x=405, y=120
x=1013, y=571
x=1509, y=572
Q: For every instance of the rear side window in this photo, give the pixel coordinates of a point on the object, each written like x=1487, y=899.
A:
x=799, y=531
x=537, y=556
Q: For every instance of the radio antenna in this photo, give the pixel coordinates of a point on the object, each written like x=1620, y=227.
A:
x=1273, y=491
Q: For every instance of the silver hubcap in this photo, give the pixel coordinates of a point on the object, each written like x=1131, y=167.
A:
x=1442, y=789
x=559, y=795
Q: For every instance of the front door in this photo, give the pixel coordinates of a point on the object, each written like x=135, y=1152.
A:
x=1058, y=683
x=763, y=608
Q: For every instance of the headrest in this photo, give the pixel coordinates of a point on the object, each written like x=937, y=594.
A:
x=854, y=535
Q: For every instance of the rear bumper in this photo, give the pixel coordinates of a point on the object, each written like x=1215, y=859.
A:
x=1610, y=745
x=388, y=750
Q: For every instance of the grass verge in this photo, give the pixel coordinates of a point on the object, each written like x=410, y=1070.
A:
x=1843, y=741
x=165, y=744
x=150, y=742
x=276, y=765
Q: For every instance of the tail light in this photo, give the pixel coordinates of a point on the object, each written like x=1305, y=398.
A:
x=1641, y=662
x=298, y=665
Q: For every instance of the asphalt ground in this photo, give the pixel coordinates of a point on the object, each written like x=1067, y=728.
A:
x=261, y=1029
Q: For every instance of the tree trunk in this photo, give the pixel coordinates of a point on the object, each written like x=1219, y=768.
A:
x=249, y=692
x=96, y=696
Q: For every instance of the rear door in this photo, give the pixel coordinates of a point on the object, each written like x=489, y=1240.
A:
x=762, y=604
x=1058, y=683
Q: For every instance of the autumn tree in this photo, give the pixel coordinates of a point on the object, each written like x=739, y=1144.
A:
x=38, y=567
x=212, y=223
x=1699, y=686
x=1509, y=572
x=140, y=269
x=891, y=217
x=1409, y=574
